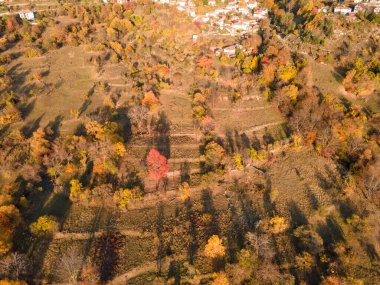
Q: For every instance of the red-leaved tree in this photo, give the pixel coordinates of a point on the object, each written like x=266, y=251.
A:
x=157, y=164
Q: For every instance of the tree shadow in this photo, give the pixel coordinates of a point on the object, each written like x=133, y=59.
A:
x=370, y=250
x=347, y=208
x=245, y=140
x=54, y=127
x=162, y=141
x=230, y=144
x=174, y=272
x=298, y=218
x=107, y=254
x=193, y=245
x=26, y=109
x=87, y=101
x=185, y=172
x=30, y=127
x=270, y=208
x=313, y=201
x=256, y=144
x=331, y=232
x=159, y=230
x=268, y=138
x=212, y=227
x=238, y=143
x=124, y=120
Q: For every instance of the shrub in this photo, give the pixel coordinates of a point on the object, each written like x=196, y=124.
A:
x=124, y=197
x=44, y=226
x=278, y=224
x=32, y=52
x=214, y=247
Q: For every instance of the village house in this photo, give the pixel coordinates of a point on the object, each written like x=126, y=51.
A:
x=230, y=51
x=342, y=10
x=358, y=8
x=252, y=4
x=182, y=3
x=244, y=11
x=323, y=10
x=26, y=15
x=212, y=2
x=260, y=13
x=376, y=10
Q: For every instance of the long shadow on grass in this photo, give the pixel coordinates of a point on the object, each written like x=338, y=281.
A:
x=26, y=109
x=87, y=101
x=242, y=222
x=31, y=126
x=331, y=232
x=163, y=139
x=106, y=254
x=194, y=244
x=52, y=129
x=270, y=208
x=212, y=227
x=52, y=204
x=175, y=272
x=159, y=230
x=298, y=218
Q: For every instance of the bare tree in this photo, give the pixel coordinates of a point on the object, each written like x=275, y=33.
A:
x=139, y=117
x=14, y=266
x=69, y=267
x=260, y=244
x=372, y=184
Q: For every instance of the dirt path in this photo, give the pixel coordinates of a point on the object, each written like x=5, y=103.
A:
x=244, y=109
x=260, y=127
x=150, y=266
x=88, y=235
x=182, y=160
x=182, y=146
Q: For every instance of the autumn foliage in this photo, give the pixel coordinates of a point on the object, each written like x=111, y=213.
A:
x=157, y=164
x=214, y=247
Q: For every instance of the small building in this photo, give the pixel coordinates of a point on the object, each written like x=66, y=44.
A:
x=358, y=8
x=324, y=10
x=230, y=51
x=212, y=2
x=26, y=15
x=244, y=11
x=376, y=10
x=252, y=4
x=342, y=10
x=182, y=3
x=260, y=13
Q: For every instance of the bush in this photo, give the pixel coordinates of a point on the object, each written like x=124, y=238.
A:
x=44, y=226
x=32, y=52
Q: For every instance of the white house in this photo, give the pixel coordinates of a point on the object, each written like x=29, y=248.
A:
x=252, y=4
x=323, y=10
x=240, y=26
x=358, y=8
x=230, y=51
x=211, y=2
x=377, y=10
x=182, y=3
x=244, y=11
x=260, y=13
x=27, y=15
x=342, y=10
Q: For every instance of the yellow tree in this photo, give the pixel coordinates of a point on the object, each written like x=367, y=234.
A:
x=39, y=145
x=214, y=247
x=278, y=224
x=150, y=100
